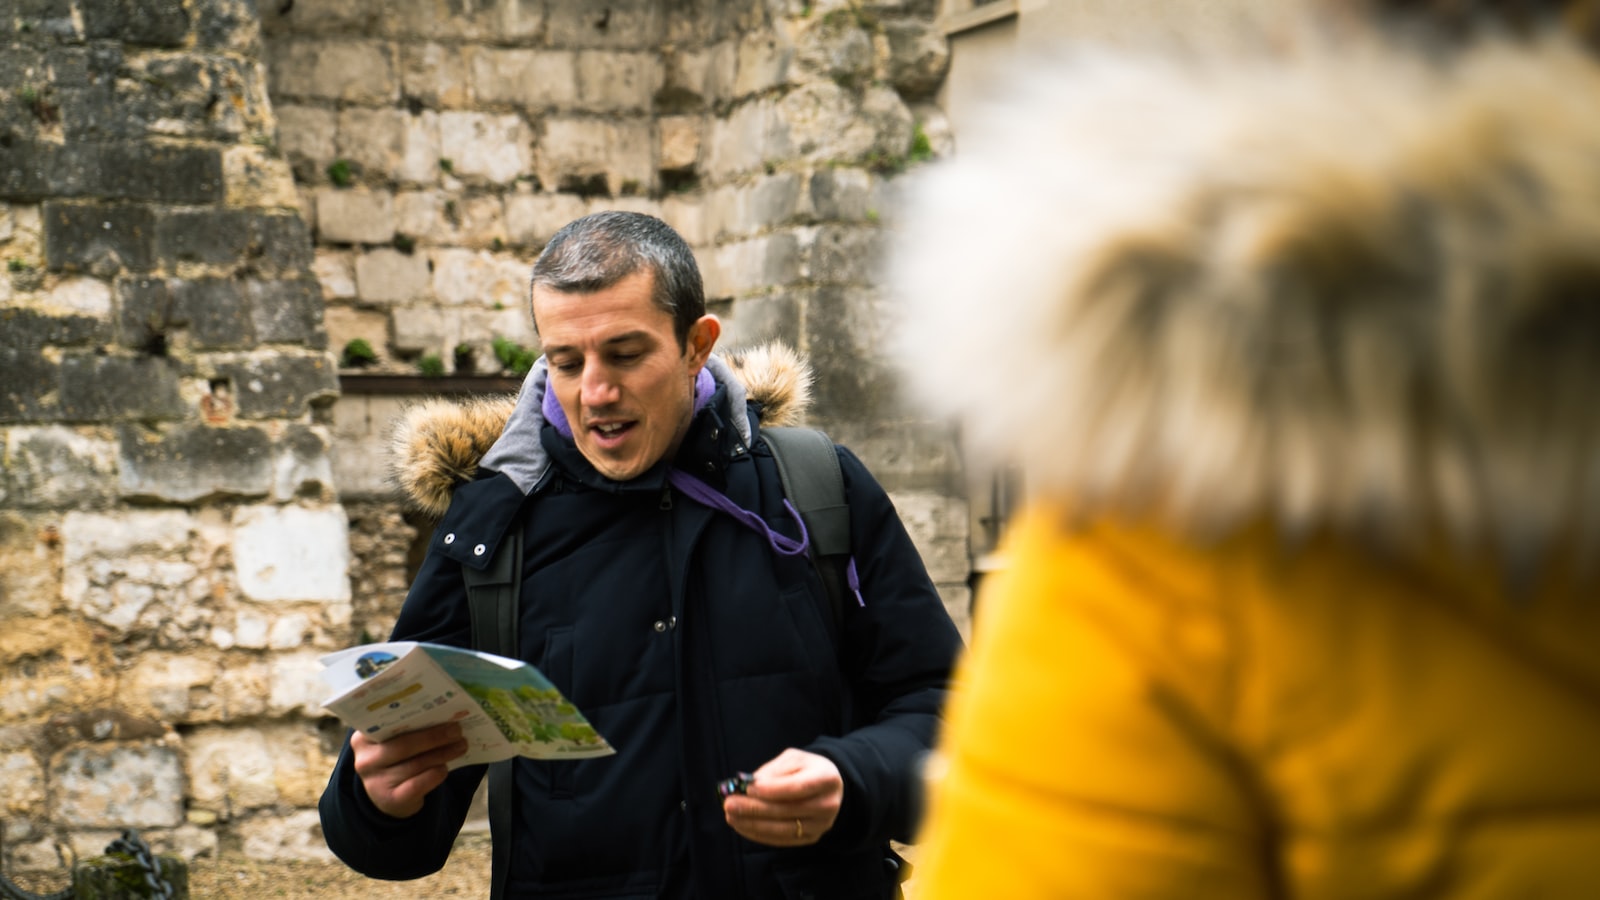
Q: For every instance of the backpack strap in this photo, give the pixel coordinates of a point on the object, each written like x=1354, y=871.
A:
x=492, y=597
x=808, y=466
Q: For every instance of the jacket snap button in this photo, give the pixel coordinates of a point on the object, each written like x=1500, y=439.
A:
x=450, y=538
x=672, y=621
x=716, y=433
x=711, y=467
x=660, y=625
x=479, y=550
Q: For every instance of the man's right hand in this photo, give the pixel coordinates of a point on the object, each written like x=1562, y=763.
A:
x=400, y=772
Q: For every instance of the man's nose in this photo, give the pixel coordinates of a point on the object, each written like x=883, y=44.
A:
x=599, y=388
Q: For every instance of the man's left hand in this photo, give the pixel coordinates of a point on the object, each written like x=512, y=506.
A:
x=792, y=801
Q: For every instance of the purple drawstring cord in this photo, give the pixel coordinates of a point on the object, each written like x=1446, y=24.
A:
x=706, y=495
x=853, y=581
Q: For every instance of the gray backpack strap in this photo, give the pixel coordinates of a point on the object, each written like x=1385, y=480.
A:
x=808, y=466
x=492, y=597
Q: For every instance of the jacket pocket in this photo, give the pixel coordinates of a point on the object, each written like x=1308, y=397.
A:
x=557, y=665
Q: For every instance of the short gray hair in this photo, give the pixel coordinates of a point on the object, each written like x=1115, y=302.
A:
x=597, y=251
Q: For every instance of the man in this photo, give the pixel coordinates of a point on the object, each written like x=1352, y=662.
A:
x=664, y=595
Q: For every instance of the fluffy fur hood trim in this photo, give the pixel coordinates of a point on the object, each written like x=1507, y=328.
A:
x=438, y=444
x=1350, y=293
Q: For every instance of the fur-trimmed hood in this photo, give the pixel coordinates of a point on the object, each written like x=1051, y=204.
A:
x=1342, y=292
x=439, y=444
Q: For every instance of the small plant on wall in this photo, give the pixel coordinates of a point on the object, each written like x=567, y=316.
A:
x=358, y=354
x=431, y=366
x=514, y=357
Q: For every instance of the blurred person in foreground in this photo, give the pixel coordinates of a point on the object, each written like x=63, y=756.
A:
x=1300, y=356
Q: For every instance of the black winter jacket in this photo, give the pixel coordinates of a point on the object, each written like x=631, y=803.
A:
x=697, y=652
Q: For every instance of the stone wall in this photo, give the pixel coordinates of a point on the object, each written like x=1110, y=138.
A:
x=172, y=553
x=190, y=512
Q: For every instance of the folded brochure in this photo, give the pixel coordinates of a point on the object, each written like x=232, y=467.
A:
x=505, y=706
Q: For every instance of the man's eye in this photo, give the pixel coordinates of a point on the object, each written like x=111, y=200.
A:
x=568, y=368
x=625, y=358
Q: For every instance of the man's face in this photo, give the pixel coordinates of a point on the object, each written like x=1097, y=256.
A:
x=623, y=381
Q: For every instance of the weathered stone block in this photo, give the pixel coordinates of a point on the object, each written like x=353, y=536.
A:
x=532, y=219
x=386, y=275
x=336, y=273
x=292, y=553
x=355, y=216
x=497, y=148
x=56, y=467
x=347, y=323
x=695, y=80
x=752, y=321
x=844, y=254
x=287, y=312
x=679, y=146
x=22, y=783
x=635, y=24
x=321, y=17
x=938, y=525
x=919, y=57
x=352, y=71
x=744, y=140
x=280, y=386
x=434, y=74
x=229, y=25
x=618, y=82
x=254, y=178
x=308, y=136
x=837, y=46
x=30, y=391
x=270, y=242
x=36, y=170
x=195, y=462
x=81, y=296
x=501, y=21
x=574, y=151
x=757, y=206
x=291, y=837
x=765, y=57
x=906, y=455
x=163, y=174
x=531, y=79
x=303, y=466
x=219, y=313
x=361, y=426
x=480, y=279
x=420, y=329
x=686, y=214
x=419, y=161
x=96, y=388
x=372, y=139
x=216, y=311
x=157, y=23
x=844, y=193
x=139, y=786
x=100, y=239
x=231, y=770
x=754, y=265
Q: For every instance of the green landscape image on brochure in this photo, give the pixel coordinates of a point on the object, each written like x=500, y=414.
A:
x=505, y=707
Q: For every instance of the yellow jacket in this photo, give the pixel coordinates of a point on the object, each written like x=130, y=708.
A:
x=1141, y=718
x=1303, y=356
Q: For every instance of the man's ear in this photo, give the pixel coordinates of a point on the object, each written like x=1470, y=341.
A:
x=702, y=338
